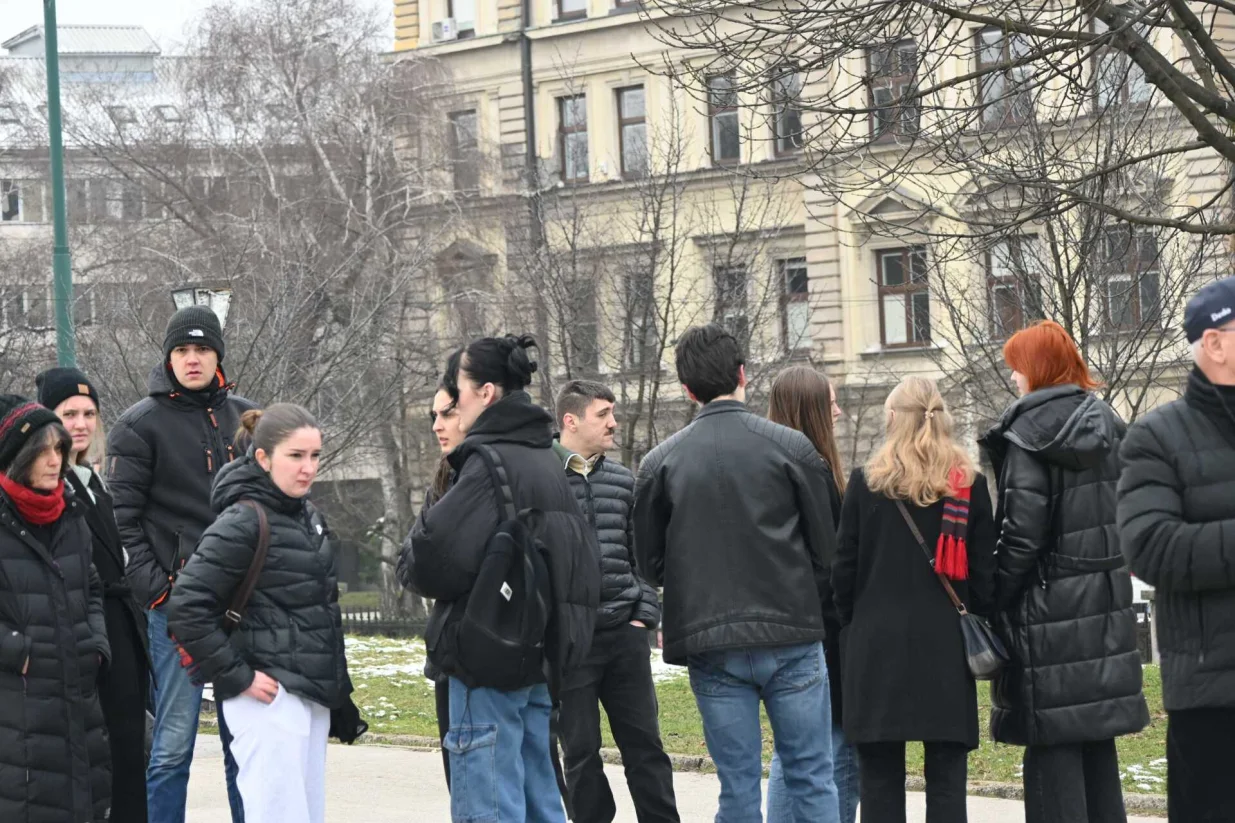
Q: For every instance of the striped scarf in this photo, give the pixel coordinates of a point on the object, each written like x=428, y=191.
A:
x=951, y=556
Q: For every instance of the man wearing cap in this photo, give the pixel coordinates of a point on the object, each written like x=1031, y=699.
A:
x=162, y=457
x=1177, y=528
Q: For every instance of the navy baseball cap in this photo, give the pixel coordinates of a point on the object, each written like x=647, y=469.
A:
x=1212, y=308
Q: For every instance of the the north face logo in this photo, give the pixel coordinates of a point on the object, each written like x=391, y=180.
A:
x=196, y=333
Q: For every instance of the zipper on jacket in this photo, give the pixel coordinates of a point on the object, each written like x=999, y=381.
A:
x=1200, y=619
x=209, y=461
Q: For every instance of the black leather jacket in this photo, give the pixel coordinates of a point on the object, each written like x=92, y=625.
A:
x=732, y=516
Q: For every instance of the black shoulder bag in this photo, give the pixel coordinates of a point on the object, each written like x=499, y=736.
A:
x=984, y=651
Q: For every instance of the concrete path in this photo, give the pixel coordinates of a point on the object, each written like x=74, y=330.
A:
x=377, y=784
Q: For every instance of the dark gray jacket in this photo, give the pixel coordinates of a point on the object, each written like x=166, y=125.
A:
x=1064, y=592
x=732, y=516
x=1177, y=525
x=607, y=498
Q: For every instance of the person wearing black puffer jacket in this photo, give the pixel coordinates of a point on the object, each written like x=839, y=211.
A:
x=281, y=674
x=1063, y=590
x=443, y=556
x=1177, y=524
x=618, y=672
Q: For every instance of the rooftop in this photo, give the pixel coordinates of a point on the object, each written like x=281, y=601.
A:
x=118, y=41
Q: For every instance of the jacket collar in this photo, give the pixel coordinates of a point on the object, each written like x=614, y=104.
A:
x=1216, y=402
x=720, y=407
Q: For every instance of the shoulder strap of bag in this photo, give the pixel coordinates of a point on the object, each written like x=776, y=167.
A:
x=930, y=558
x=240, y=599
x=505, y=498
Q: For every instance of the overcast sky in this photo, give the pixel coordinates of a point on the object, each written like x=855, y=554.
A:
x=164, y=19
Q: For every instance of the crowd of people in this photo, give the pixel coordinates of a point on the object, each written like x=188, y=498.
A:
x=856, y=608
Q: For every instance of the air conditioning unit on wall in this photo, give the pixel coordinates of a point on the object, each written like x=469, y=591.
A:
x=444, y=30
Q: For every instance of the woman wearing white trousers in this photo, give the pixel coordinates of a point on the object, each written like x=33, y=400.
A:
x=280, y=672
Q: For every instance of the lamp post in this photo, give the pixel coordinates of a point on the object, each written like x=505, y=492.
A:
x=62, y=263
x=217, y=300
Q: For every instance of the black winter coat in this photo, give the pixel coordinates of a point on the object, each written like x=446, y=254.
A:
x=1063, y=590
x=904, y=669
x=55, y=766
x=732, y=518
x=444, y=550
x=1177, y=526
x=163, y=455
x=124, y=685
x=292, y=628
x=607, y=498
x=831, y=617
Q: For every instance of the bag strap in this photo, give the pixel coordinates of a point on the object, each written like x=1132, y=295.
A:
x=930, y=558
x=501, y=489
x=240, y=598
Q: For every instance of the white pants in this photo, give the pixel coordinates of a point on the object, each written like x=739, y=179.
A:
x=281, y=750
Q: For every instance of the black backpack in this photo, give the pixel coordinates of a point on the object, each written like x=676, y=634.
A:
x=501, y=636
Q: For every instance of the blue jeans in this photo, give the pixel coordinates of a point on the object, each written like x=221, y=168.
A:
x=500, y=766
x=177, y=706
x=844, y=771
x=792, y=682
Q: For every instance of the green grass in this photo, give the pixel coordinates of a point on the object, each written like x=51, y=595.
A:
x=360, y=600
x=396, y=699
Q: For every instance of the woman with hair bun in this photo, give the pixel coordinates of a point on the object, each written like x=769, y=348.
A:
x=280, y=673
x=498, y=738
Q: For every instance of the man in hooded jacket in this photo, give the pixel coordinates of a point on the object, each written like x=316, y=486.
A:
x=163, y=455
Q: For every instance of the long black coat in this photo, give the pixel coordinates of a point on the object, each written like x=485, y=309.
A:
x=904, y=669
x=1177, y=523
x=292, y=627
x=55, y=766
x=1064, y=593
x=125, y=682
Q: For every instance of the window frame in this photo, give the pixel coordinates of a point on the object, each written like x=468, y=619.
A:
x=790, y=297
x=1016, y=281
x=460, y=32
x=1123, y=95
x=564, y=132
x=732, y=304
x=715, y=112
x=908, y=290
x=1010, y=100
x=785, y=106
x=460, y=161
x=1131, y=268
x=562, y=16
x=894, y=127
x=626, y=122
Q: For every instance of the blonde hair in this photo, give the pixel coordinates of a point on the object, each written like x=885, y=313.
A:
x=918, y=451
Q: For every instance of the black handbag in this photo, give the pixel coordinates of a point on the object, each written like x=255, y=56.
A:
x=984, y=651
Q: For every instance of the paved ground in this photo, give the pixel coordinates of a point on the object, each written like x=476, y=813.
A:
x=376, y=784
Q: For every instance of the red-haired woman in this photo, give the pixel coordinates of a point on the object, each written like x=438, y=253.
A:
x=1064, y=594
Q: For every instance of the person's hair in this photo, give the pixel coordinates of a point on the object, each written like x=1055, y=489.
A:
x=1047, y=356
x=96, y=454
x=266, y=429
x=502, y=361
x=53, y=435
x=577, y=395
x=441, y=478
x=801, y=398
x=708, y=361
x=918, y=451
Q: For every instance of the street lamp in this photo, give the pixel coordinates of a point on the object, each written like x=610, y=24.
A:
x=217, y=300
x=62, y=263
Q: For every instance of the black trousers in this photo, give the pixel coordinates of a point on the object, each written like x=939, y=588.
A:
x=882, y=770
x=1073, y=783
x=123, y=691
x=441, y=701
x=617, y=675
x=1200, y=764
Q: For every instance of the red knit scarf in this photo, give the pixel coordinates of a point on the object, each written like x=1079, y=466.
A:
x=951, y=556
x=35, y=507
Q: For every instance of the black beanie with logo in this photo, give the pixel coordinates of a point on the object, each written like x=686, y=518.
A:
x=194, y=324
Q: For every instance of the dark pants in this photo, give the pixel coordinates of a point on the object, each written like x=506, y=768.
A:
x=123, y=693
x=617, y=675
x=882, y=767
x=1073, y=783
x=441, y=699
x=1200, y=763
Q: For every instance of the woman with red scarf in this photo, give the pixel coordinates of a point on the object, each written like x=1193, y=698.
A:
x=54, y=756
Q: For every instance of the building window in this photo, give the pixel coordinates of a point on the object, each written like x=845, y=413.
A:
x=1116, y=78
x=904, y=300
x=787, y=109
x=464, y=14
x=36, y=307
x=83, y=305
x=723, y=119
x=1004, y=92
x=584, y=339
x=731, y=285
x=464, y=153
x=632, y=131
x=121, y=115
x=572, y=138
x=1013, y=281
x=21, y=201
x=168, y=114
x=8, y=115
x=571, y=9
x=795, y=306
x=1133, y=277
x=893, y=77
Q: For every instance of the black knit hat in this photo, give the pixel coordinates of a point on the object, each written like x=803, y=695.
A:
x=57, y=385
x=19, y=420
x=194, y=324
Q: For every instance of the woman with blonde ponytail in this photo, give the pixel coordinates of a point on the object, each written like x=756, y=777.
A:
x=917, y=508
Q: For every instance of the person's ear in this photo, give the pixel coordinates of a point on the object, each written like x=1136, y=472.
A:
x=570, y=423
x=742, y=377
x=1213, y=346
x=263, y=459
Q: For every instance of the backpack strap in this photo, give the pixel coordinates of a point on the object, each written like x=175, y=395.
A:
x=501, y=489
x=240, y=598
